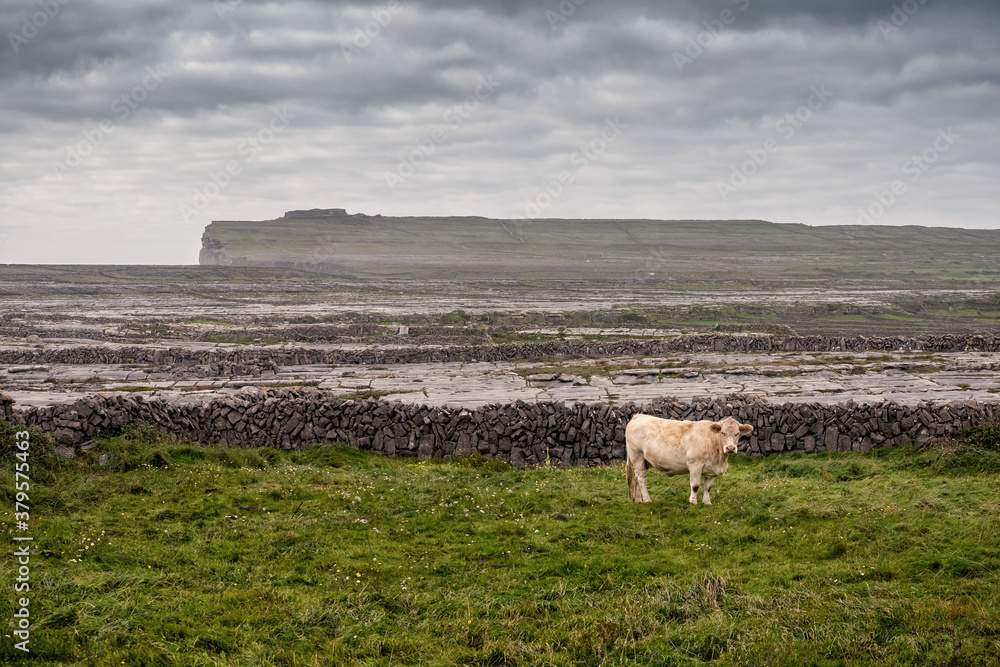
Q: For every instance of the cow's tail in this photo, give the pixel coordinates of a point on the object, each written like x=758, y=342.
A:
x=629, y=478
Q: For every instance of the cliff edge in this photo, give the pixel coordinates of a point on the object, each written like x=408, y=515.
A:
x=681, y=252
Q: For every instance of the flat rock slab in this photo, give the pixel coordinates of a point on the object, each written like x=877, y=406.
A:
x=784, y=377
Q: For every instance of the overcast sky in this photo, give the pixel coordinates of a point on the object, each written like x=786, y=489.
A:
x=128, y=125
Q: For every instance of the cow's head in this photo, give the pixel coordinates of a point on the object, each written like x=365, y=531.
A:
x=731, y=430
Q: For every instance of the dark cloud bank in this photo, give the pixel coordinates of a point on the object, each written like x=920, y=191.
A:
x=128, y=126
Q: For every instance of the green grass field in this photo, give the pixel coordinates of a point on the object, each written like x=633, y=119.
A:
x=174, y=554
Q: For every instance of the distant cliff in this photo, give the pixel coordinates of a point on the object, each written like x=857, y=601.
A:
x=315, y=213
x=680, y=252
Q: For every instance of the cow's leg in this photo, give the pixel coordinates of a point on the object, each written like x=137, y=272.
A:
x=629, y=478
x=695, y=483
x=708, y=487
x=645, y=489
x=634, y=493
x=641, y=492
x=637, y=480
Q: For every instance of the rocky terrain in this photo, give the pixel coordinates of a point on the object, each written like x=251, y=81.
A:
x=785, y=368
x=156, y=343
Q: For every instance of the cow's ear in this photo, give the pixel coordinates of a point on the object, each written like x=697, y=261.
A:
x=716, y=427
x=746, y=429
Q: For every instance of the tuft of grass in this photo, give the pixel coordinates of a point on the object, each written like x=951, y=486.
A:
x=985, y=436
x=455, y=317
x=45, y=465
x=478, y=462
x=182, y=554
x=137, y=445
x=340, y=456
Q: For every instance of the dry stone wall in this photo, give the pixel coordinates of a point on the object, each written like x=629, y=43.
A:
x=523, y=433
x=304, y=333
x=242, y=360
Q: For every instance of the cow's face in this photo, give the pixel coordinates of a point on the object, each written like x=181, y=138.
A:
x=731, y=430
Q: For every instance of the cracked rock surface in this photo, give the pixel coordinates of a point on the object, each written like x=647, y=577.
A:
x=905, y=377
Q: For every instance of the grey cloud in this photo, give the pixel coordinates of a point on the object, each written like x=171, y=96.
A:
x=687, y=126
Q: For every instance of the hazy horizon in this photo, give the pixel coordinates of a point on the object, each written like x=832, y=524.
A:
x=128, y=128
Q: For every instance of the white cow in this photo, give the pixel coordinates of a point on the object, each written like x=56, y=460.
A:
x=701, y=448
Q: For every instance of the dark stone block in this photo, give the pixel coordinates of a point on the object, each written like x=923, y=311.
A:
x=426, y=449
x=518, y=459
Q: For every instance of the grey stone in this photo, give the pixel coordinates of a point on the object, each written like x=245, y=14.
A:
x=66, y=436
x=518, y=458
x=426, y=448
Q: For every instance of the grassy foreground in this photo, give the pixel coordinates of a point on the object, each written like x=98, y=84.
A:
x=179, y=555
